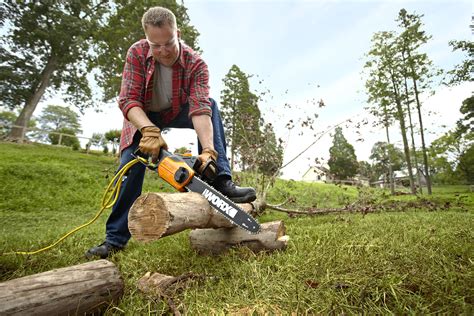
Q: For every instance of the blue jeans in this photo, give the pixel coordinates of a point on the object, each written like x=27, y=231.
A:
x=117, y=233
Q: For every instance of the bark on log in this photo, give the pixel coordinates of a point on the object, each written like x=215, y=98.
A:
x=156, y=215
x=79, y=289
x=215, y=241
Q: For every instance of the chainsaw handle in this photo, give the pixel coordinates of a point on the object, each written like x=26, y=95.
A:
x=208, y=172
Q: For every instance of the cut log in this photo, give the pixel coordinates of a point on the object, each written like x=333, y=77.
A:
x=215, y=241
x=79, y=289
x=156, y=215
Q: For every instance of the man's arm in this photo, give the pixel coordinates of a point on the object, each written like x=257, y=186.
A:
x=203, y=127
x=138, y=118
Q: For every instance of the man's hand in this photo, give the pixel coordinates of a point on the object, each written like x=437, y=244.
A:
x=206, y=155
x=152, y=142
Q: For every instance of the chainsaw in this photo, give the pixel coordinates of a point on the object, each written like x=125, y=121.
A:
x=181, y=172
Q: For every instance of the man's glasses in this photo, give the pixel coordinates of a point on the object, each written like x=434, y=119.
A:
x=168, y=46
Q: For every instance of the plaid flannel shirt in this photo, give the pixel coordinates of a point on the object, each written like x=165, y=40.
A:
x=189, y=85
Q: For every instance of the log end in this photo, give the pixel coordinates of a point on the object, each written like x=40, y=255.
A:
x=148, y=219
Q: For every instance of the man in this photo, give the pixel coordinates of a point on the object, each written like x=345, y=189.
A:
x=164, y=84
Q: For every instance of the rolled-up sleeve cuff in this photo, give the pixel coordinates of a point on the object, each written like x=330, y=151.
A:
x=128, y=105
x=201, y=111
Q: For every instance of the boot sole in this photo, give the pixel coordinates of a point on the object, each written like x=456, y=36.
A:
x=244, y=199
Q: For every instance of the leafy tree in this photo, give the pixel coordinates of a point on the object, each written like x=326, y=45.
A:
x=466, y=165
x=365, y=170
x=465, y=125
x=46, y=48
x=113, y=136
x=241, y=117
x=463, y=71
x=454, y=147
x=386, y=159
x=56, y=117
x=270, y=154
x=386, y=66
x=97, y=140
x=124, y=28
x=342, y=159
x=419, y=69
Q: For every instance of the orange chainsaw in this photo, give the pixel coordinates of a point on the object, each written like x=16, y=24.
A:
x=181, y=172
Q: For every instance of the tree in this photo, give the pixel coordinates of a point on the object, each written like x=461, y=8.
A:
x=241, y=117
x=113, y=136
x=466, y=165
x=342, y=159
x=365, y=170
x=385, y=66
x=454, y=148
x=46, y=48
x=463, y=71
x=56, y=117
x=419, y=68
x=386, y=159
x=270, y=154
x=465, y=125
x=124, y=28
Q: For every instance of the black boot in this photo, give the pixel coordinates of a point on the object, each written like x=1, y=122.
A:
x=226, y=186
x=102, y=251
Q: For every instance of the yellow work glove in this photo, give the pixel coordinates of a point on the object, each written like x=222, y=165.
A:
x=206, y=154
x=152, y=141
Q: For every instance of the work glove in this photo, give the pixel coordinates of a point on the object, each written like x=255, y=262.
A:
x=206, y=155
x=152, y=142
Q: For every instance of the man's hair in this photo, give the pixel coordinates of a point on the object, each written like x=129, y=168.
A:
x=159, y=16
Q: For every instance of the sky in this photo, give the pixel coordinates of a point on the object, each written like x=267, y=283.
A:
x=306, y=51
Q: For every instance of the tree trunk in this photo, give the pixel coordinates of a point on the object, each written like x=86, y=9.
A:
x=401, y=120
x=413, y=147
x=215, y=241
x=390, y=168
x=422, y=133
x=74, y=290
x=156, y=215
x=18, y=131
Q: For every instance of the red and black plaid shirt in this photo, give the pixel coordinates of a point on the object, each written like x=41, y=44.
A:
x=190, y=85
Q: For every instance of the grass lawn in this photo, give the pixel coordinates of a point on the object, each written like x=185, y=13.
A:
x=419, y=259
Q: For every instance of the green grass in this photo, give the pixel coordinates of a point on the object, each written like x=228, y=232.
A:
x=419, y=259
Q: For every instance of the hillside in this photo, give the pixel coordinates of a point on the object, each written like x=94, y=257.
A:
x=416, y=260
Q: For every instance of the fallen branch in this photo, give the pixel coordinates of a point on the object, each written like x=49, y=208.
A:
x=164, y=287
x=392, y=206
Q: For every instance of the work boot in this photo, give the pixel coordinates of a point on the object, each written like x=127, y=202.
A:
x=226, y=186
x=103, y=251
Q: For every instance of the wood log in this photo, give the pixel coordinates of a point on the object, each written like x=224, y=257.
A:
x=272, y=237
x=78, y=289
x=156, y=215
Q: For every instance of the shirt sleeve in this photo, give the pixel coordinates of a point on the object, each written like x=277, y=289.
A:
x=132, y=90
x=199, y=103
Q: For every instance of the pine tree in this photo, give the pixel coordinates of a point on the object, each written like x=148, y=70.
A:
x=342, y=158
x=241, y=118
